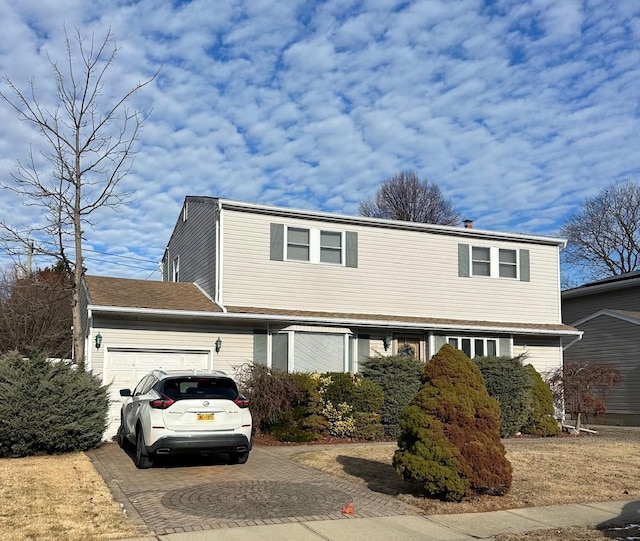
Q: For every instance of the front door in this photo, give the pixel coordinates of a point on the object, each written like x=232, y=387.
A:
x=403, y=343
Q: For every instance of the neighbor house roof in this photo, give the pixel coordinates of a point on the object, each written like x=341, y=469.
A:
x=625, y=315
x=125, y=292
x=629, y=279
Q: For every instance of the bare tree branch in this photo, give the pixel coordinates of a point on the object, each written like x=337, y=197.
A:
x=405, y=197
x=90, y=150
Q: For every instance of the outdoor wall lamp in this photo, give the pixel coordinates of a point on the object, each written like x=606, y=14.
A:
x=98, y=340
x=386, y=342
x=218, y=345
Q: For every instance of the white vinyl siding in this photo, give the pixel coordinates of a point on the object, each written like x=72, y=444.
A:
x=383, y=282
x=545, y=354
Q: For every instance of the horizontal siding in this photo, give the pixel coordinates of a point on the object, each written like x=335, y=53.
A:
x=399, y=273
x=617, y=343
x=194, y=241
x=576, y=308
x=545, y=354
x=237, y=342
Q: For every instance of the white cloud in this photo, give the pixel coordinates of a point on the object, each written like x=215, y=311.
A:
x=517, y=110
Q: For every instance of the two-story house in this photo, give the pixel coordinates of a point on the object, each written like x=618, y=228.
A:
x=303, y=290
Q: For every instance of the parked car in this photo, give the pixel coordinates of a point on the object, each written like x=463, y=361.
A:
x=174, y=412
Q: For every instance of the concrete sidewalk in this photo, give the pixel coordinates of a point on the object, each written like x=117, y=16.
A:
x=460, y=527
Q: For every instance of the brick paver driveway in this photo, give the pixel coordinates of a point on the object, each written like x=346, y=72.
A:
x=271, y=488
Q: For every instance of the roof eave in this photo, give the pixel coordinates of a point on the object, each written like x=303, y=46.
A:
x=340, y=322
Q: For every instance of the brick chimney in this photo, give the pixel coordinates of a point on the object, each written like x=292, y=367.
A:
x=468, y=224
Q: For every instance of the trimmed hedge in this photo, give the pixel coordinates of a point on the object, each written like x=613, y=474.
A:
x=399, y=378
x=450, y=435
x=49, y=407
x=510, y=384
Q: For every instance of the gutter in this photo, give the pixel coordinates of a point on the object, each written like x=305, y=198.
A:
x=339, y=322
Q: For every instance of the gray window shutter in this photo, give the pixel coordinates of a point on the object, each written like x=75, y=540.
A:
x=277, y=242
x=463, y=260
x=352, y=249
x=524, y=266
x=260, y=346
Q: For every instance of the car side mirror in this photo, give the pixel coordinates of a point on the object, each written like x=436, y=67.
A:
x=125, y=392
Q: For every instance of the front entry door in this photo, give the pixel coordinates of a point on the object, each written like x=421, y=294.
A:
x=403, y=342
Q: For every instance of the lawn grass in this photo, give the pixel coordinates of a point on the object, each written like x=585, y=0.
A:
x=546, y=471
x=49, y=498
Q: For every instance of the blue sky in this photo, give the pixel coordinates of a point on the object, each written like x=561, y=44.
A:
x=517, y=110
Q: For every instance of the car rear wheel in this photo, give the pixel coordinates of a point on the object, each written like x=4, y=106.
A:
x=239, y=458
x=120, y=437
x=142, y=460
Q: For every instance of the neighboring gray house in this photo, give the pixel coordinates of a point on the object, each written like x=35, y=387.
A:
x=608, y=312
x=302, y=290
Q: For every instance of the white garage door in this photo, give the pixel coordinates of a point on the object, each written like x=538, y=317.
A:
x=125, y=367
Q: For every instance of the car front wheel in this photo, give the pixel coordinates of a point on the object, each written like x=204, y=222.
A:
x=142, y=460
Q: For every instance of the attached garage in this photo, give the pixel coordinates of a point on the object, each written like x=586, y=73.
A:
x=125, y=367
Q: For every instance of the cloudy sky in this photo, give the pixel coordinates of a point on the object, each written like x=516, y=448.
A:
x=517, y=109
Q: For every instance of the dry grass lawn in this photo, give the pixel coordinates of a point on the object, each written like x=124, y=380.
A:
x=546, y=471
x=57, y=497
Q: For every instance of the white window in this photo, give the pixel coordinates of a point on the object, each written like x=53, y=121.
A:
x=494, y=262
x=176, y=269
x=315, y=245
x=298, y=244
x=475, y=347
x=480, y=261
x=508, y=260
x=185, y=212
x=331, y=247
x=296, y=351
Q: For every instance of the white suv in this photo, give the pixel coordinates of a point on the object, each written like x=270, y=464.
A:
x=185, y=411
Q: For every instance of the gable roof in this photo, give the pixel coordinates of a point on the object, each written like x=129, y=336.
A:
x=625, y=315
x=106, y=291
x=331, y=217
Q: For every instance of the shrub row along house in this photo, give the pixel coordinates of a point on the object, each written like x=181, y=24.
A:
x=308, y=291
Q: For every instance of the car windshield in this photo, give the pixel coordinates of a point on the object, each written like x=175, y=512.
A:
x=189, y=387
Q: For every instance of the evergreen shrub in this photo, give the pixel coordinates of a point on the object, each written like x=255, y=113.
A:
x=450, y=435
x=399, y=378
x=359, y=393
x=541, y=420
x=509, y=382
x=48, y=407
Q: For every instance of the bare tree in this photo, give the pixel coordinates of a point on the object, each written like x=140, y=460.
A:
x=583, y=386
x=90, y=142
x=604, y=237
x=405, y=197
x=35, y=312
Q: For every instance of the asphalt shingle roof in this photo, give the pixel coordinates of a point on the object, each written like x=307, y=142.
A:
x=155, y=295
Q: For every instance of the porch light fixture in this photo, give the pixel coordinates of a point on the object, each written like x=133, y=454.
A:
x=386, y=342
x=218, y=345
x=98, y=340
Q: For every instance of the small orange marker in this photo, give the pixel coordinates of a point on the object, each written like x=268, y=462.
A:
x=348, y=509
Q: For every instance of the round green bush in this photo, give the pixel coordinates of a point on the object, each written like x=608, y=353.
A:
x=450, y=434
x=49, y=407
x=541, y=420
x=359, y=393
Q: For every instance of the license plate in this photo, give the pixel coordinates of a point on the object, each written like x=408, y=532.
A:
x=205, y=417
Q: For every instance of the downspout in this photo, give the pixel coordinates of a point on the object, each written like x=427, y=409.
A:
x=218, y=299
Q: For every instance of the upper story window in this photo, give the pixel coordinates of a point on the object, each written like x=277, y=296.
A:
x=331, y=247
x=313, y=244
x=298, y=244
x=493, y=262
